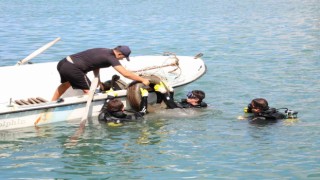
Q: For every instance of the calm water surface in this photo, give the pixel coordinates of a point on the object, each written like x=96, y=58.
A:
x=251, y=48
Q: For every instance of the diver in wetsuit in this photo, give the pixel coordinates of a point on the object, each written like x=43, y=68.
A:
x=165, y=93
x=262, y=112
x=113, y=109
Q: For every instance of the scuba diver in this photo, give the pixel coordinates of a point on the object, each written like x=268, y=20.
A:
x=262, y=112
x=165, y=93
x=112, y=111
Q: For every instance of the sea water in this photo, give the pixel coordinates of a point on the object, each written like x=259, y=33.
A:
x=252, y=49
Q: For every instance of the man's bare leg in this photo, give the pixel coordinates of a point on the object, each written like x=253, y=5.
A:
x=86, y=91
x=60, y=90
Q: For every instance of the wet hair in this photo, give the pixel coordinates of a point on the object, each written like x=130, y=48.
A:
x=260, y=103
x=114, y=105
x=199, y=94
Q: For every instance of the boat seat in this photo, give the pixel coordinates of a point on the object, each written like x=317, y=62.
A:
x=29, y=101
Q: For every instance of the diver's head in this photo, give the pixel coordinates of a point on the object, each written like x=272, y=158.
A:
x=115, y=105
x=259, y=105
x=195, y=97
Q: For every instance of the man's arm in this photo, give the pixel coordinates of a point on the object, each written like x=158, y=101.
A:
x=144, y=101
x=167, y=97
x=130, y=75
x=168, y=101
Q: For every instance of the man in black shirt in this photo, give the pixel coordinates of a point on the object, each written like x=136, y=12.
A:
x=73, y=69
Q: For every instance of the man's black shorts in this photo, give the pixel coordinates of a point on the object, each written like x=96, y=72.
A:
x=70, y=73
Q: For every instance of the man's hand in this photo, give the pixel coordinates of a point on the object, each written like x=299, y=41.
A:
x=146, y=82
x=144, y=92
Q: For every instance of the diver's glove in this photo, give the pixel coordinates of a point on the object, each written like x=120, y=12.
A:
x=144, y=92
x=115, y=78
x=139, y=115
x=160, y=88
x=111, y=93
x=167, y=86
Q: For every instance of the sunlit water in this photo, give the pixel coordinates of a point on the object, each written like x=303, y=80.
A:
x=252, y=49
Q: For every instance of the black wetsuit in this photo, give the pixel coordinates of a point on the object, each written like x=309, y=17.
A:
x=271, y=114
x=75, y=71
x=171, y=104
x=119, y=116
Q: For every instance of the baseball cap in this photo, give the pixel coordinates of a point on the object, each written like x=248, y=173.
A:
x=125, y=50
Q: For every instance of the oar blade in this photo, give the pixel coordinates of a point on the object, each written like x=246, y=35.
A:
x=37, y=52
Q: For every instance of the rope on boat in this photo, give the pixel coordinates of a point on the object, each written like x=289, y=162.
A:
x=155, y=67
x=175, y=63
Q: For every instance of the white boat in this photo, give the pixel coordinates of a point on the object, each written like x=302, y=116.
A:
x=27, y=89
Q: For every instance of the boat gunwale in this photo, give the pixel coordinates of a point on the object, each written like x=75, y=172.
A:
x=49, y=105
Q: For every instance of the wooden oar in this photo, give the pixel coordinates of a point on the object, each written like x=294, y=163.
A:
x=37, y=52
x=93, y=87
x=83, y=121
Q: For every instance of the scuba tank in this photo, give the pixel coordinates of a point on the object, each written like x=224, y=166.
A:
x=291, y=114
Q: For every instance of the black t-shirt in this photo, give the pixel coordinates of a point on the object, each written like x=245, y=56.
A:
x=94, y=58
